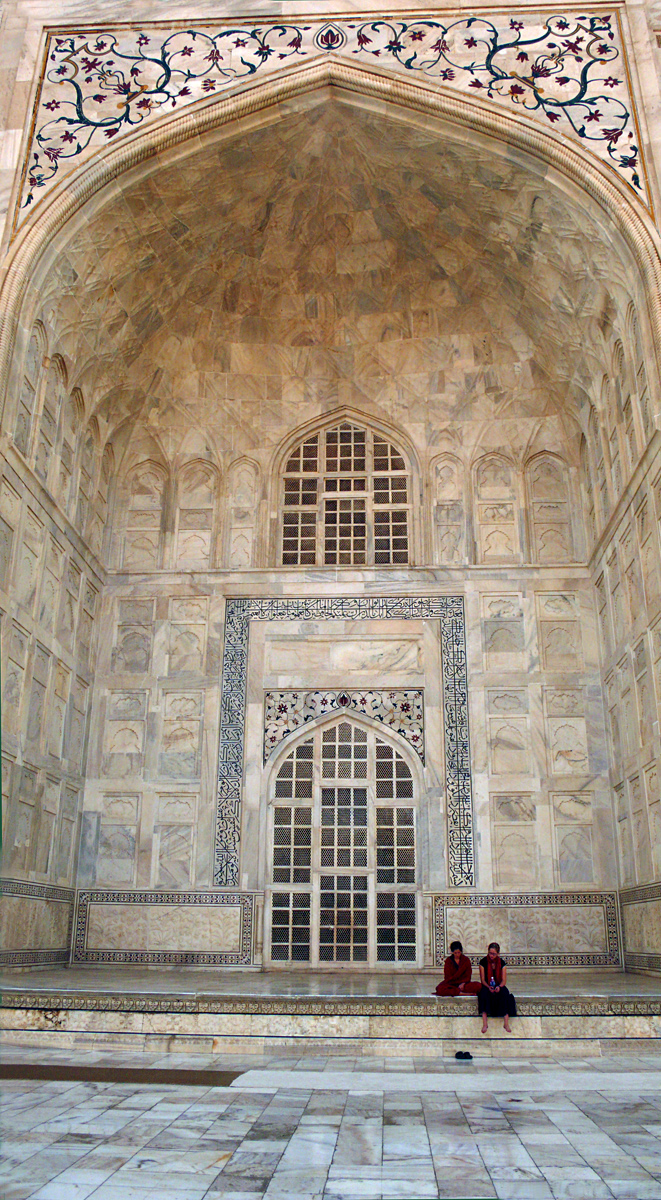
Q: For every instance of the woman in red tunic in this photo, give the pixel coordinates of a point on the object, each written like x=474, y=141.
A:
x=457, y=974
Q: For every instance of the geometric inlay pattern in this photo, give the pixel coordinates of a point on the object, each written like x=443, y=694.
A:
x=448, y=610
x=607, y=901
x=567, y=72
x=401, y=711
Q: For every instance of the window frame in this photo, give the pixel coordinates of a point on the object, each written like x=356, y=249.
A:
x=374, y=734
x=318, y=480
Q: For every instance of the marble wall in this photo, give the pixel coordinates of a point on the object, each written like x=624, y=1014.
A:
x=183, y=339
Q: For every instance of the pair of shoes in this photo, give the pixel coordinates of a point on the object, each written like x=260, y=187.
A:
x=464, y=1054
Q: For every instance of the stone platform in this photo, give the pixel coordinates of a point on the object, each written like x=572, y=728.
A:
x=589, y=1013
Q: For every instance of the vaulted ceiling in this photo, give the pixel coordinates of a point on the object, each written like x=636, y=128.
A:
x=337, y=256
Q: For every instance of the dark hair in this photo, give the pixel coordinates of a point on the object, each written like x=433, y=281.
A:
x=456, y=946
x=496, y=946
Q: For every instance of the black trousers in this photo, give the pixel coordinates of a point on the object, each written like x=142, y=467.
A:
x=496, y=1004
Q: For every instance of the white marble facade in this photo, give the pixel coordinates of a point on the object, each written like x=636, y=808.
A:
x=185, y=350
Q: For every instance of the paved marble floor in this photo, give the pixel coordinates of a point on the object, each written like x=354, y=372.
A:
x=335, y=1129
x=193, y=982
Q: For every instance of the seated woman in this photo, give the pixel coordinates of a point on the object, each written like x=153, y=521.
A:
x=494, y=999
x=457, y=972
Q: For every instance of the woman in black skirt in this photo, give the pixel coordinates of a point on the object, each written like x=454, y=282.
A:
x=494, y=999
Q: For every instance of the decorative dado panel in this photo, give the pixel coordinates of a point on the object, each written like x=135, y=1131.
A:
x=164, y=927
x=557, y=929
x=36, y=921
x=449, y=610
x=641, y=927
x=401, y=711
x=569, y=73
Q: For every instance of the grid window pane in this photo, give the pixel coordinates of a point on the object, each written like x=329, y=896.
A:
x=290, y=927
x=395, y=927
x=294, y=779
x=391, y=537
x=386, y=457
x=305, y=458
x=292, y=845
x=345, y=532
x=395, y=845
x=346, y=449
x=299, y=539
x=393, y=777
x=343, y=928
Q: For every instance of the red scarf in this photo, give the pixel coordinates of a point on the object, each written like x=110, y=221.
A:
x=495, y=969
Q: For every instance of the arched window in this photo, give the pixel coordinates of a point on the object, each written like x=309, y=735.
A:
x=346, y=501
x=343, y=851
x=29, y=388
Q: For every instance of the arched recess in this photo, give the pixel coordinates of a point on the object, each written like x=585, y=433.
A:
x=566, y=167
x=195, y=534
x=380, y=526
x=141, y=516
x=448, y=510
x=50, y=416
x=496, y=508
x=28, y=388
x=549, y=509
x=243, y=495
x=340, y=823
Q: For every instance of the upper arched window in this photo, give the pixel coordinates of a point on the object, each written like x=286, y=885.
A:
x=346, y=501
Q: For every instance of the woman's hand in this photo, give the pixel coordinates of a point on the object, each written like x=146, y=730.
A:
x=496, y=989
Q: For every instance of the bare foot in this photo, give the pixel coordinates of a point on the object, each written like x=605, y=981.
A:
x=506, y=1025
x=484, y=1027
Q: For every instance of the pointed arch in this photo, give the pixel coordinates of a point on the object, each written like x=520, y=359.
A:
x=243, y=494
x=351, y=893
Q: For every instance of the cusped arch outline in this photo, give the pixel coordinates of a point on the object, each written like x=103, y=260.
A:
x=350, y=83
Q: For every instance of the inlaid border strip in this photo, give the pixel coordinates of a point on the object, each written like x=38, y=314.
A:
x=606, y=900
x=217, y=958
x=449, y=610
x=401, y=1006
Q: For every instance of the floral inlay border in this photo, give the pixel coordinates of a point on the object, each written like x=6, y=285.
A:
x=401, y=711
x=567, y=71
x=448, y=610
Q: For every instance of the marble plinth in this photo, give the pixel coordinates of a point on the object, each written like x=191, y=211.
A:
x=250, y=1012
